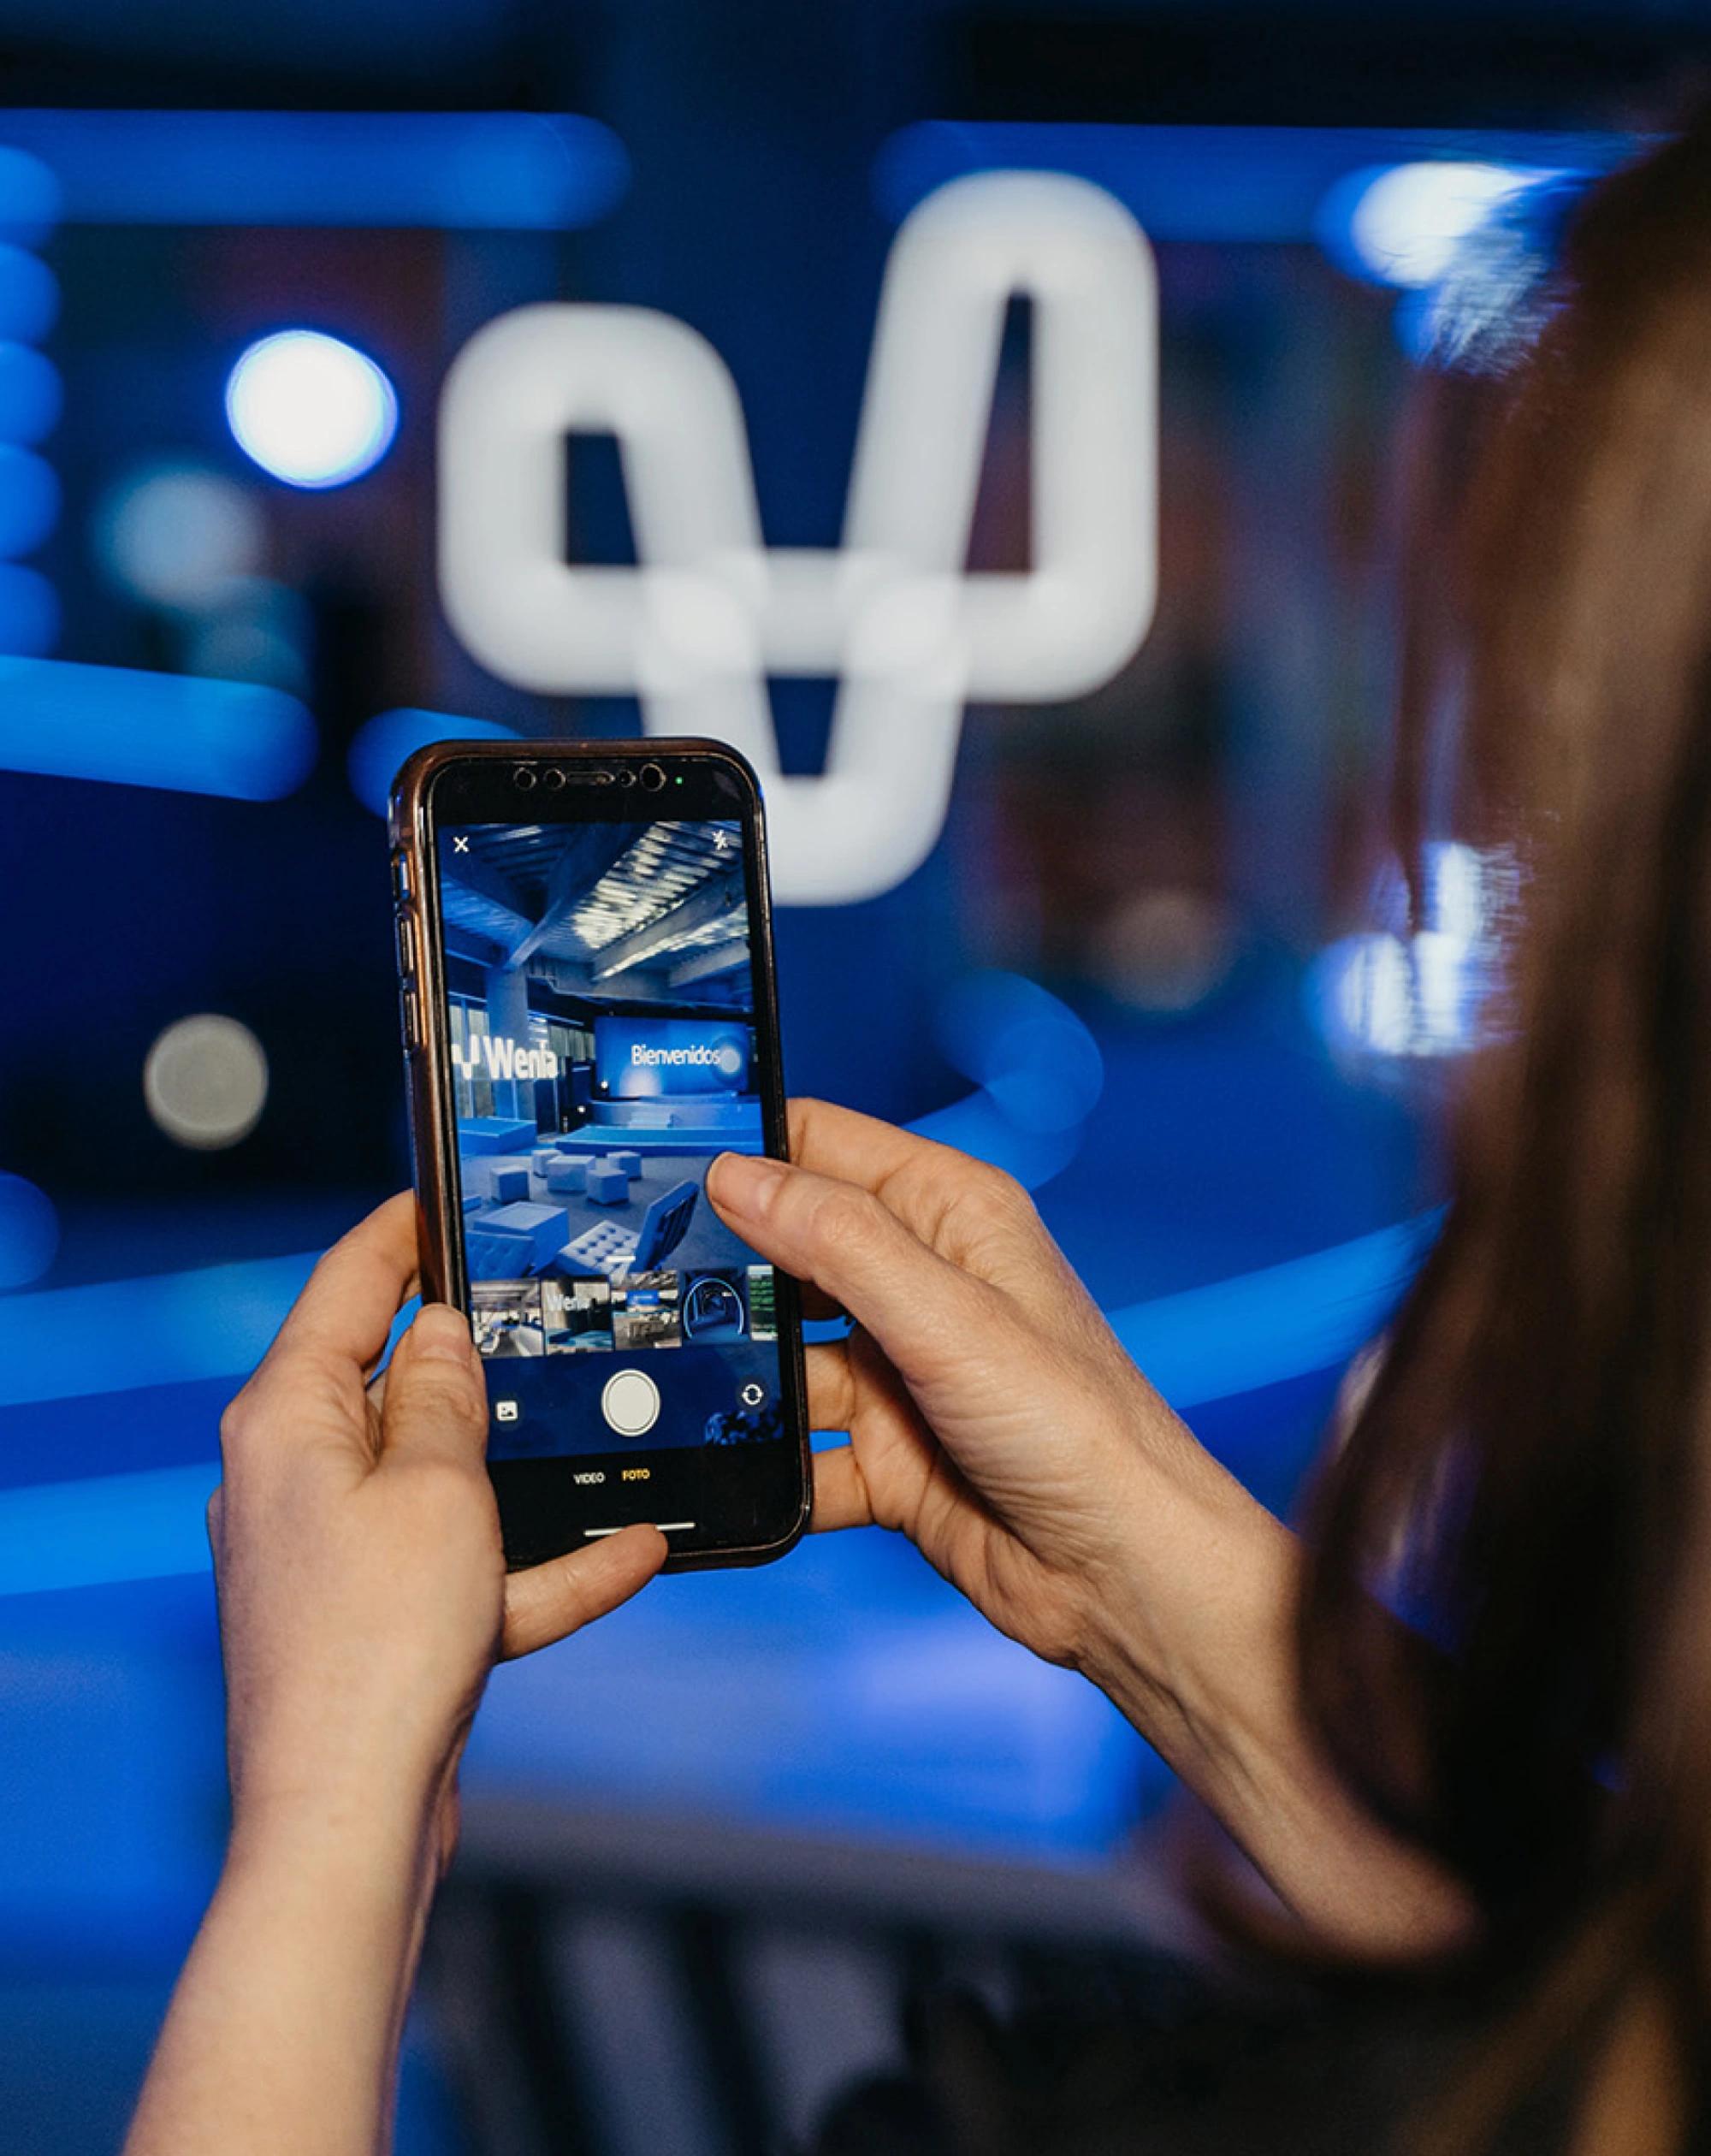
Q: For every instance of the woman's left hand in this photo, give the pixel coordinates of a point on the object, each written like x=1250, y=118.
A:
x=362, y=1583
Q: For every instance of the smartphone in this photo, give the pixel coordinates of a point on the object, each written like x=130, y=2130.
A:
x=590, y=1018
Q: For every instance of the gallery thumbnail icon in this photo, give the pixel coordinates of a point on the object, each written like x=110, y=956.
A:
x=575, y=1315
x=713, y=1307
x=763, y=1303
x=505, y=1318
x=647, y=1311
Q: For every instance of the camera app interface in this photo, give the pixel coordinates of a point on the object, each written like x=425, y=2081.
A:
x=599, y=1015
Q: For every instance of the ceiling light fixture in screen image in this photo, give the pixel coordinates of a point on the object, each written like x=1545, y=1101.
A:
x=599, y=1020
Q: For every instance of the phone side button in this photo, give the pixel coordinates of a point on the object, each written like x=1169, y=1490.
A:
x=406, y=944
x=409, y=1017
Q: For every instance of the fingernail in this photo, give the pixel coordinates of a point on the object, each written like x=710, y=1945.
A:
x=746, y=1182
x=440, y=1334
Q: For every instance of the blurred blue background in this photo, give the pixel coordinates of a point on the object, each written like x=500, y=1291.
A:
x=1146, y=959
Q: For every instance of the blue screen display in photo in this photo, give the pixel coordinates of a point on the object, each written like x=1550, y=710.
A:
x=600, y=1020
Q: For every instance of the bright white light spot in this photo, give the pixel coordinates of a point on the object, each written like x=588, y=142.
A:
x=1390, y=998
x=310, y=409
x=1406, y=222
x=178, y=535
x=206, y=1081
x=1457, y=900
x=1434, y=993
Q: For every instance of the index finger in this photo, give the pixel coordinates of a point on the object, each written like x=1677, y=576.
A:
x=923, y=1182
x=347, y=1307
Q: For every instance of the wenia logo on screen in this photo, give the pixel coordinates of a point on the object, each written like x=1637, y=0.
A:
x=642, y=1058
x=494, y=1056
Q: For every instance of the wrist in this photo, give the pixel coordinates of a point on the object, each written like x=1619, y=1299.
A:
x=385, y=1838
x=1190, y=1619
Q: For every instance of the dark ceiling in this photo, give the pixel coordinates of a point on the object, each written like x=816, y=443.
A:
x=1302, y=61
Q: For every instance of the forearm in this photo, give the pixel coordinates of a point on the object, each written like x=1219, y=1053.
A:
x=283, y=2031
x=1196, y=1646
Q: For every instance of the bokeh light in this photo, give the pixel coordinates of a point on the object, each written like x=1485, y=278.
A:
x=29, y=1232
x=310, y=409
x=382, y=746
x=29, y=501
x=179, y=536
x=31, y=397
x=1395, y=992
x=1402, y=224
x=29, y=295
x=206, y=1081
x=31, y=199
x=128, y=728
x=29, y=611
x=1034, y=1057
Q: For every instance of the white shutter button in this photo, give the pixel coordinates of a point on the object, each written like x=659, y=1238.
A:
x=630, y=1402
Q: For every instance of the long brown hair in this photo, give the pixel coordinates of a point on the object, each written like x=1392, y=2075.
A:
x=1530, y=1474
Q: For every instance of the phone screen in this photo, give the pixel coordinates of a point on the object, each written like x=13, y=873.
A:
x=600, y=1030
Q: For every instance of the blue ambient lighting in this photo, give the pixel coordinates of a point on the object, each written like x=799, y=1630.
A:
x=151, y=1526
x=233, y=739
x=1210, y=183
x=310, y=409
x=1029, y=1051
x=1286, y=1321
x=29, y=1232
x=30, y=198
x=168, y=1329
x=31, y=398
x=1209, y=1344
x=473, y=171
x=29, y=501
x=29, y=611
x=29, y=295
x=1038, y=1068
x=382, y=746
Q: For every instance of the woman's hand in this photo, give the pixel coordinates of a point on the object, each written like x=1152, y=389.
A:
x=363, y=1590
x=994, y=1418
x=362, y=1599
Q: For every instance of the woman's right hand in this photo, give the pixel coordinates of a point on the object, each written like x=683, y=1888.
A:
x=993, y=1416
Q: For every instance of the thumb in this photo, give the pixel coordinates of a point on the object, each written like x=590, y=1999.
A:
x=550, y=1601
x=435, y=1403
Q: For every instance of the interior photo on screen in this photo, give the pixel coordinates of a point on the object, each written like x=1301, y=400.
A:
x=600, y=1022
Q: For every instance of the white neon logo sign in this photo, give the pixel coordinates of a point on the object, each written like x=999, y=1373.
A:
x=694, y=630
